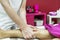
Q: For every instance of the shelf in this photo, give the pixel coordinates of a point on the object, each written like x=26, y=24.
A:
x=36, y=14
x=53, y=17
x=31, y=17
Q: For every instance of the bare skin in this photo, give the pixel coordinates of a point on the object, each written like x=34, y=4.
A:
x=18, y=20
x=17, y=33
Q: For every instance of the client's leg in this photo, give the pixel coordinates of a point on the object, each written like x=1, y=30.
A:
x=42, y=34
x=10, y=33
x=17, y=33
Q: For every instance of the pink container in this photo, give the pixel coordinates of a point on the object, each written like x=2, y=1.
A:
x=36, y=7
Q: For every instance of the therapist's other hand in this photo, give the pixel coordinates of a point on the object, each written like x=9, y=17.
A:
x=27, y=32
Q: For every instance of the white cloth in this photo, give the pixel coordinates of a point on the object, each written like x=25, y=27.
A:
x=5, y=21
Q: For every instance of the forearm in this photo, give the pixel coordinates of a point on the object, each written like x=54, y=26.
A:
x=23, y=5
x=23, y=15
x=13, y=15
x=22, y=11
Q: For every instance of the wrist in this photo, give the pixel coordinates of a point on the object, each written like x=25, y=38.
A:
x=23, y=28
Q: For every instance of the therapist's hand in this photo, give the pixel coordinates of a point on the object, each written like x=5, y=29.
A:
x=27, y=32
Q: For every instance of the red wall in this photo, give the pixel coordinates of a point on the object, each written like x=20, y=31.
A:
x=45, y=5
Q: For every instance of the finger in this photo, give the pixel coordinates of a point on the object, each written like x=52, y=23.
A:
x=30, y=32
x=33, y=36
x=26, y=34
x=23, y=34
x=29, y=35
